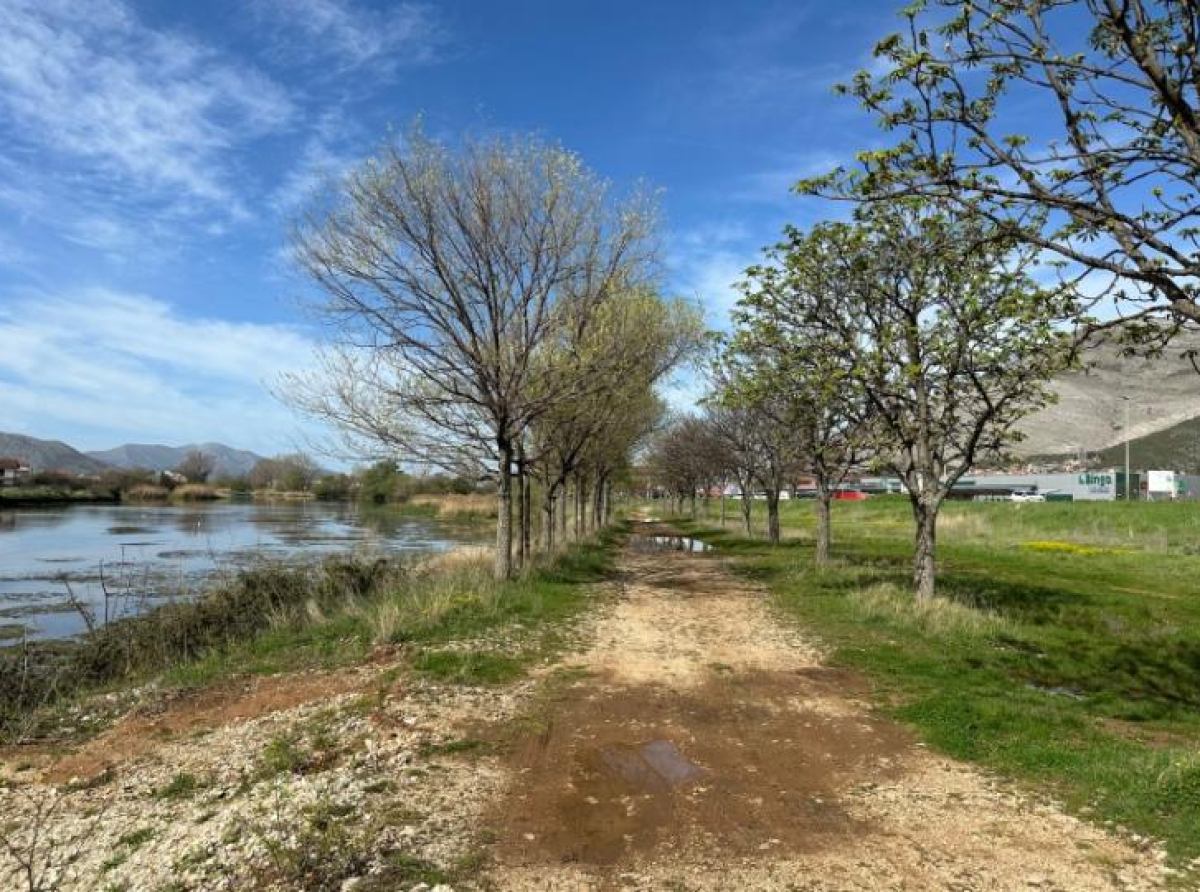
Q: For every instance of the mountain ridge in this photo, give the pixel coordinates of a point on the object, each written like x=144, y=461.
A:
x=48, y=455
x=229, y=461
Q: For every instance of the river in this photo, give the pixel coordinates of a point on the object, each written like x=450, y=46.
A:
x=132, y=557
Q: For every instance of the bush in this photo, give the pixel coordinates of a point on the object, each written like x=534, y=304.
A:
x=195, y=492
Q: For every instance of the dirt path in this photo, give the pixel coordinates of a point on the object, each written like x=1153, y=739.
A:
x=703, y=746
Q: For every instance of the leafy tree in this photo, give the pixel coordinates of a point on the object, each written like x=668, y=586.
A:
x=947, y=337
x=381, y=482
x=334, y=487
x=1113, y=191
x=803, y=369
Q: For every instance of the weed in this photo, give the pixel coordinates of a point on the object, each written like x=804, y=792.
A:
x=135, y=839
x=471, y=667
x=182, y=786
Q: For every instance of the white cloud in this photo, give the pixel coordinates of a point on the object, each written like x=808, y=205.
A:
x=349, y=35
x=149, y=109
x=98, y=367
x=706, y=264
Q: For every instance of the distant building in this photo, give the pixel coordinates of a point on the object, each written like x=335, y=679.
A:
x=12, y=471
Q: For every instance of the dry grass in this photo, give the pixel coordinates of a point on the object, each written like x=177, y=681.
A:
x=194, y=492
x=891, y=603
x=965, y=525
x=146, y=492
x=456, y=580
x=454, y=504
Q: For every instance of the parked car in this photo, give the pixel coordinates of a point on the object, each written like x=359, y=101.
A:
x=1029, y=496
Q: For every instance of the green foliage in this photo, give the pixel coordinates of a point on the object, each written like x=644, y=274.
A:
x=183, y=785
x=472, y=667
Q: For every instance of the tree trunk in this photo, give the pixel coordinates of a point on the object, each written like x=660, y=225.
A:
x=824, y=535
x=925, y=556
x=564, y=499
x=522, y=535
x=504, y=532
x=773, y=516
x=724, y=486
x=747, y=511
x=548, y=518
x=526, y=518
x=579, y=503
x=693, y=503
x=598, y=504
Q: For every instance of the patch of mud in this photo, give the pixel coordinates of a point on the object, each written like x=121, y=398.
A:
x=731, y=763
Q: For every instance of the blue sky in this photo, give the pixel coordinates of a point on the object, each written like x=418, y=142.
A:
x=152, y=153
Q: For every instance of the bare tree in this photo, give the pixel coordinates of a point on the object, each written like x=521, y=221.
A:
x=196, y=466
x=445, y=275
x=733, y=428
x=1113, y=191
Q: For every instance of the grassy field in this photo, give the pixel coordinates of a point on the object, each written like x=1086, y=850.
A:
x=1064, y=650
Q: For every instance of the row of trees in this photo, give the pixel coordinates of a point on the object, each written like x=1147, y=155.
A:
x=978, y=257
x=493, y=315
x=911, y=339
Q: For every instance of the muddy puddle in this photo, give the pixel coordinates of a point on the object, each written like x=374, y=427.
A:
x=643, y=769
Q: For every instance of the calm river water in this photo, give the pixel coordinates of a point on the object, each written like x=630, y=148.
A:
x=144, y=555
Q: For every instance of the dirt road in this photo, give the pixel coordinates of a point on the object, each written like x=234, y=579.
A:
x=704, y=746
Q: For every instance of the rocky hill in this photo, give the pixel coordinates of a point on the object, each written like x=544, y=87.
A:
x=1090, y=414
x=48, y=455
x=230, y=462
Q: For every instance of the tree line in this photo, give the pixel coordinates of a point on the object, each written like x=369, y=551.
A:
x=493, y=313
x=976, y=260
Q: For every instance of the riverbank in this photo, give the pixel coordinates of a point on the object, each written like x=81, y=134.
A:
x=33, y=496
x=1063, y=651
x=287, y=617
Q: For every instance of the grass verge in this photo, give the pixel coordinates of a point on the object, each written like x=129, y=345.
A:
x=1076, y=670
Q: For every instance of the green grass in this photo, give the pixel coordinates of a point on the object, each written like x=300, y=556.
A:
x=1075, y=668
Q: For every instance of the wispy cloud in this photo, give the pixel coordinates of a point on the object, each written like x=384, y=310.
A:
x=122, y=366
x=149, y=109
x=707, y=263
x=347, y=35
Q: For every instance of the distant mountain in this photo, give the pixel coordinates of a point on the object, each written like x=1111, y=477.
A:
x=230, y=462
x=1090, y=413
x=48, y=455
